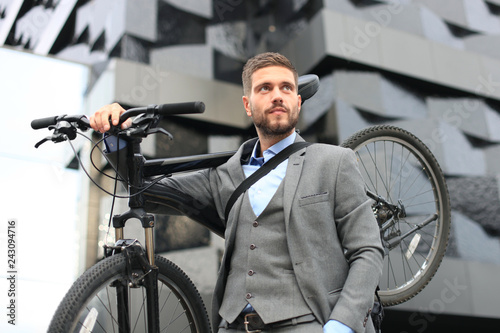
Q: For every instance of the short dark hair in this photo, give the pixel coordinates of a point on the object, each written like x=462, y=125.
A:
x=264, y=60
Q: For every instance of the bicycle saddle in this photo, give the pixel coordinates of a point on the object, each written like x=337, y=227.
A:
x=308, y=86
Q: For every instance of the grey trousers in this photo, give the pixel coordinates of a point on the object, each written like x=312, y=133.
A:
x=312, y=327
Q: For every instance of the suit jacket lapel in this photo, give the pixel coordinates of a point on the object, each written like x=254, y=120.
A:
x=293, y=171
x=237, y=176
x=234, y=163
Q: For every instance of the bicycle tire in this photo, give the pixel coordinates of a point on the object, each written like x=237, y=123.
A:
x=92, y=293
x=398, y=166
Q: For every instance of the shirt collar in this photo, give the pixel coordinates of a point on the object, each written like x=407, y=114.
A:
x=272, y=151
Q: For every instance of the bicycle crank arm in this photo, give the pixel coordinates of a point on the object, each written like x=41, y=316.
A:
x=392, y=243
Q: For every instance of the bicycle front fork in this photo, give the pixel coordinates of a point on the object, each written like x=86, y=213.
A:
x=136, y=258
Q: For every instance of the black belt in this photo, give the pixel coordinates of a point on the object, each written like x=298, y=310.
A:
x=252, y=323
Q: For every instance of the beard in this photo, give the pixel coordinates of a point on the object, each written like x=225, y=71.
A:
x=277, y=127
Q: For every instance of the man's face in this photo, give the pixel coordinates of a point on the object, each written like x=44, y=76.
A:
x=273, y=102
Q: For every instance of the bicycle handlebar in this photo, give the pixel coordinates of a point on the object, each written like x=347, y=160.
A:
x=44, y=122
x=162, y=109
x=165, y=109
x=81, y=120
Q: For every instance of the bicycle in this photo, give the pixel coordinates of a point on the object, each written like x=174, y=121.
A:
x=132, y=289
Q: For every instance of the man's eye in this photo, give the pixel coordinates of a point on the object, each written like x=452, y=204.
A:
x=287, y=88
x=264, y=88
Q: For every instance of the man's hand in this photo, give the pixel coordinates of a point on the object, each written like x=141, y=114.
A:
x=99, y=121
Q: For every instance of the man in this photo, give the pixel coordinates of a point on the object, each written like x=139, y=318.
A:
x=303, y=252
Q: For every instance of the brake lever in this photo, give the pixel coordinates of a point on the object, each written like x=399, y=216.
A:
x=159, y=130
x=59, y=137
x=41, y=142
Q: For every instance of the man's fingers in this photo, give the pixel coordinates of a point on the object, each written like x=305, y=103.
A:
x=116, y=111
x=104, y=121
x=100, y=121
x=127, y=123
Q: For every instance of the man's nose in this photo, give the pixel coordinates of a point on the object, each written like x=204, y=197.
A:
x=277, y=96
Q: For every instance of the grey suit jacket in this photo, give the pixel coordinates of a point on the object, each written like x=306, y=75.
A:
x=332, y=234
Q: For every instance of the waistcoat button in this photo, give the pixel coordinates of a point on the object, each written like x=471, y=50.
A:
x=250, y=272
x=255, y=224
x=248, y=296
x=252, y=247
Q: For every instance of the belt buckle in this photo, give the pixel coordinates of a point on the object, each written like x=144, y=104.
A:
x=246, y=322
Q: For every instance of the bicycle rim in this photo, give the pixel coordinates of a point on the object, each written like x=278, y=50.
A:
x=398, y=166
x=91, y=304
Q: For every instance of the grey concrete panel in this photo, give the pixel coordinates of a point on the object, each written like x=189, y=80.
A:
x=113, y=19
x=472, y=116
x=195, y=60
x=81, y=53
x=485, y=296
x=368, y=43
x=198, y=7
x=451, y=148
x=60, y=16
x=362, y=40
x=218, y=143
x=492, y=156
x=473, y=243
x=372, y=92
x=133, y=49
x=415, y=19
x=455, y=69
x=405, y=53
x=343, y=6
x=309, y=48
x=460, y=157
x=484, y=44
x=435, y=29
x=319, y=104
x=361, y=89
x=140, y=84
x=349, y=120
x=298, y=4
x=141, y=19
x=405, y=17
x=228, y=38
x=10, y=10
x=399, y=102
x=29, y=29
x=102, y=16
x=473, y=15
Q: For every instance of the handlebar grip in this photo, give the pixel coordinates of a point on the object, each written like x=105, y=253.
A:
x=181, y=108
x=43, y=122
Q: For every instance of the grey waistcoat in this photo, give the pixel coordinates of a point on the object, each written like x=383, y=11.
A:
x=261, y=270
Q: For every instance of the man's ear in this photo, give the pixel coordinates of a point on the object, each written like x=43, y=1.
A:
x=300, y=102
x=246, y=104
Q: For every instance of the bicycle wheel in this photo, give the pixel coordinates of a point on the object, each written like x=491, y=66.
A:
x=411, y=204
x=90, y=304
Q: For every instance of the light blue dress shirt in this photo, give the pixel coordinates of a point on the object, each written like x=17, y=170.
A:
x=261, y=193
